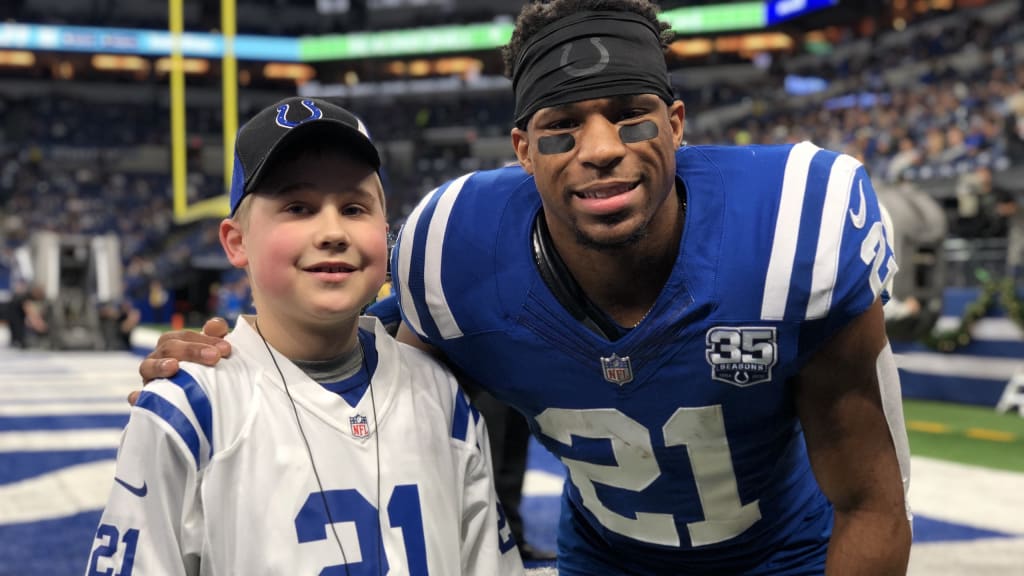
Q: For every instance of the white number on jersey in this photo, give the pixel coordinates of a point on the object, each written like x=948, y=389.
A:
x=701, y=430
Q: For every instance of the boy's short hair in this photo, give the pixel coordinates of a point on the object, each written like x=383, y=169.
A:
x=274, y=129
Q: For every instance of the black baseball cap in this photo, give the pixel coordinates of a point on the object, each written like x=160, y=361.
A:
x=272, y=128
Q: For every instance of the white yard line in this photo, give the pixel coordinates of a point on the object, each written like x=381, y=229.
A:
x=59, y=440
x=989, y=557
x=971, y=495
x=64, y=408
x=65, y=492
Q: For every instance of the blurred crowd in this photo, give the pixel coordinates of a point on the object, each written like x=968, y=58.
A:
x=939, y=106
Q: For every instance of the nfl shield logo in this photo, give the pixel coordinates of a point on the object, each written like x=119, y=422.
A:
x=617, y=370
x=360, y=429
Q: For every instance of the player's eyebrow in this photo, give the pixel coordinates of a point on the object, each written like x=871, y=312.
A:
x=618, y=101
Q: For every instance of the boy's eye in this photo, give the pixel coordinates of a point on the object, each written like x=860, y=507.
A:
x=353, y=210
x=296, y=208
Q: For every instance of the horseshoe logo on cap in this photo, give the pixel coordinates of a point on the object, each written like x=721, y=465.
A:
x=575, y=72
x=282, y=114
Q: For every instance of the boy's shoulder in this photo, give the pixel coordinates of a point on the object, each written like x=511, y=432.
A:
x=421, y=375
x=208, y=396
x=416, y=365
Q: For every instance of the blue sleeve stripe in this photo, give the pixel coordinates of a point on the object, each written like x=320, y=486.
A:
x=809, y=232
x=169, y=413
x=780, y=265
x=460, y=420
x=199, y=402
x=833, y=222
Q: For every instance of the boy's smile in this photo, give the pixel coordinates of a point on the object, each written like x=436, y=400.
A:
x=315, y=242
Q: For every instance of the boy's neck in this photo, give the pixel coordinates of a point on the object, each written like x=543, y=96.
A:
x=307, y=344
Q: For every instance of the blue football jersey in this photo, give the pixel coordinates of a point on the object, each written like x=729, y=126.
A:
x=683, y=447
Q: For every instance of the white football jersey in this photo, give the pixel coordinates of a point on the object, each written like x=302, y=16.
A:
x=214, y=477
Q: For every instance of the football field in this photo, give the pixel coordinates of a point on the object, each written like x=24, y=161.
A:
x=61, y=416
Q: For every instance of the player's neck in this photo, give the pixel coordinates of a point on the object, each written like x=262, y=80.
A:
x=625, y=283
x=325, y=342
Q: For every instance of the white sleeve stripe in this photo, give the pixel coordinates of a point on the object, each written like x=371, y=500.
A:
x=830, y=235
x=780, y=266
x=405, y=246
x=432, y=286
x=892, y=407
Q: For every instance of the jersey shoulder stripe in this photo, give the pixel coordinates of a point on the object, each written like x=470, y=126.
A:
x=198, y=401
x=462, y=414
x=173, y=417
x=449, y=247
x=833, y=222
x=826, y=211
x=423, y=234
x=783, y=253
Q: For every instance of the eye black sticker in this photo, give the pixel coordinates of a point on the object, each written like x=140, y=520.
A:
x=557, y=144
x=645, y=130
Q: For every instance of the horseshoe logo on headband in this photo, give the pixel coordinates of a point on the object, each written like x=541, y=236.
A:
x=576, y=72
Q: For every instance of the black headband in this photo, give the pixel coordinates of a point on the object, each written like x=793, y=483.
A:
x=589, y=55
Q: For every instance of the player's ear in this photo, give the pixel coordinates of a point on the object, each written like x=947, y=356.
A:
x=521, y=144
x=677, y=120
x=231, y=239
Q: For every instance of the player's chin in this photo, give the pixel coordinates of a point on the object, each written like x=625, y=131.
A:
x=609, y=236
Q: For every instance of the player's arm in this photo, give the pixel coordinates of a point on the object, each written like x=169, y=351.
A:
x=488, y=546
x=848, y=400
x=144, y=529
x=205, y=348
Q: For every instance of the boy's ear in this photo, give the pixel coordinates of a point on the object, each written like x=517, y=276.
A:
x=232, y=240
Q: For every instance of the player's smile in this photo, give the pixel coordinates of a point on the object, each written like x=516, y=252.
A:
x=606, y=197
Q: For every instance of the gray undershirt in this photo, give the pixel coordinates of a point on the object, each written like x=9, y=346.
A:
x=335, y=369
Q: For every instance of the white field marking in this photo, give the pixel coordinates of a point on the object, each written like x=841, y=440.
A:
x=538, y=483
x=987, y=557
x=959, y=365
x=59, y=440
x=64, y=408
x=984, y=329
x=61, y=493
x=971, y=495
x=145, y=338
x=84, y=392
x=66, y=383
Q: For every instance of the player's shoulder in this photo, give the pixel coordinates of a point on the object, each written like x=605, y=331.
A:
x=461, y=249
x=465, y=209
x=806, y=218
x=758, y=174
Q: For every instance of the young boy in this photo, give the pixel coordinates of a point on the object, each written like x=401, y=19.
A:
x=321, y=446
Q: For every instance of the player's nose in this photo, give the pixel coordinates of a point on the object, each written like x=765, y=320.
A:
x=600, y=144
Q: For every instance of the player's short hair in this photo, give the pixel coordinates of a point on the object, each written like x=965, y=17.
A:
x=537, y=15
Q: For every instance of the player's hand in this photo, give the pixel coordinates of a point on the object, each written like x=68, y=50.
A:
x=205, y=348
